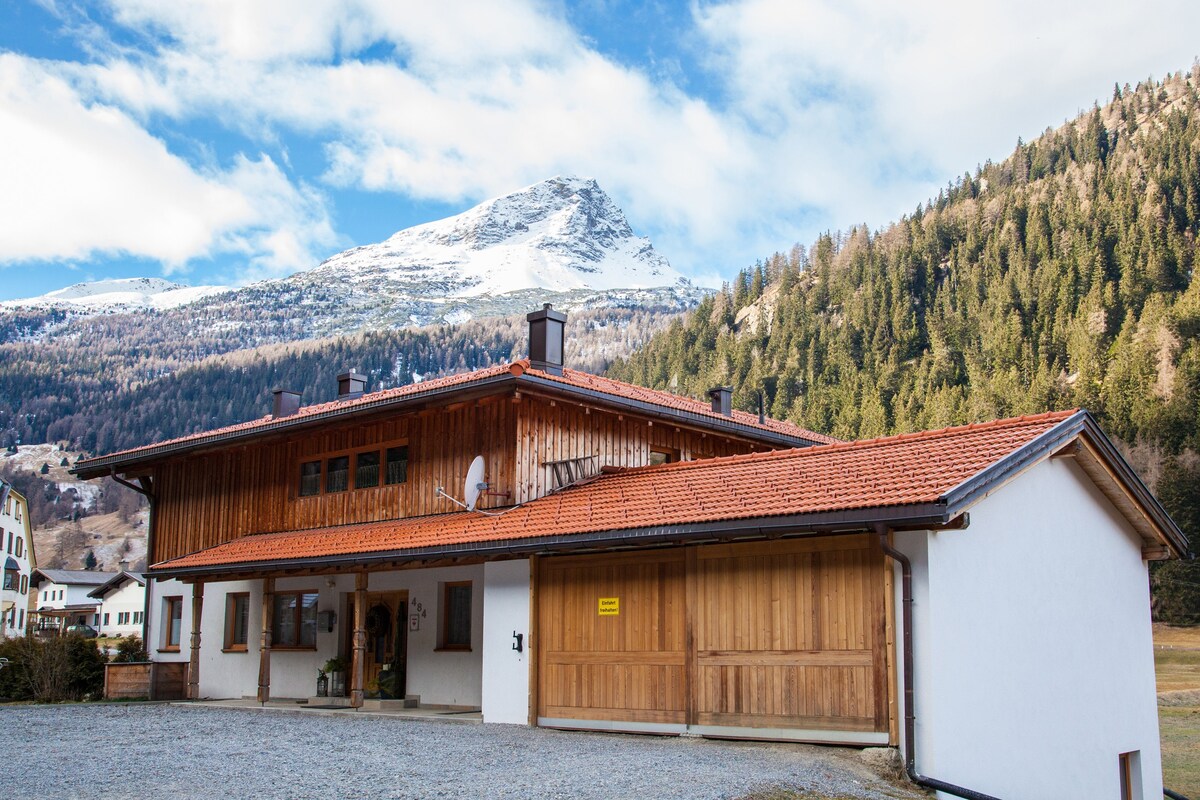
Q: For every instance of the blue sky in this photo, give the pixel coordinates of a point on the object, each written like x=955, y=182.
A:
x=219, y=141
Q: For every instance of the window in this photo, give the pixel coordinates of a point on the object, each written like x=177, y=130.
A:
x=663, y=455
x=370, y=469
x=366, y=470
x=1130, y=766
x=20, y=546
x=310, y=478
x=24, y=584
x=237, y=620
x=173, y=616
x=22, y=619
x=12, y=580
x=295, y=620
x=456, y=616
x=337, y=473
x=397, y=464
x=96, y=620
x=137, y=618
x=106, y=620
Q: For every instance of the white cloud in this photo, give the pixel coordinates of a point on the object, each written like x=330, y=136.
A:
x=822, y=113
x=84, y=179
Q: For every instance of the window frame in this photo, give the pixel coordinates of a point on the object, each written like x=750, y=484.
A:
x=670, y=455
x=446, y=618
x=170, y=621
x=231, y=602
x=297, y=614
x=352, y=453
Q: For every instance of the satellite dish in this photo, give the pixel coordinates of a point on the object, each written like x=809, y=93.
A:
x=474, y=484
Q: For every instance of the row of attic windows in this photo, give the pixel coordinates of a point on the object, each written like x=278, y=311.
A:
x=371, y=469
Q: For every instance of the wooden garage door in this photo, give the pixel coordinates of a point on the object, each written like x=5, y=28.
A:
x=626, y=666
x=778, y=639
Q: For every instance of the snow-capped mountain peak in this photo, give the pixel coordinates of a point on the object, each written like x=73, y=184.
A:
x=118, y=295
x=562, y=234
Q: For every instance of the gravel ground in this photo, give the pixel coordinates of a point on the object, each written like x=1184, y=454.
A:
x=126, y=751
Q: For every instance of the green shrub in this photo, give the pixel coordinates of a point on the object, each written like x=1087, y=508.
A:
x=52, y=670
x=129, y=650
x=14, y=681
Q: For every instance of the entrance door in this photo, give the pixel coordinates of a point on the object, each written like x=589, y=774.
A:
x=386, y=664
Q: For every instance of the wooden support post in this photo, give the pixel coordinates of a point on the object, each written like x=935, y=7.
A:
x=359, y=655
x=193, y=690
x=264, y=653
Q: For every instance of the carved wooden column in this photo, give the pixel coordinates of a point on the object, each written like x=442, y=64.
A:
x=359, y=656
x=193, y=692
x=264, y=653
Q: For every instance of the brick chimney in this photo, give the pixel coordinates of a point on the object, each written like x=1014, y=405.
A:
x=722, y=400
x=285, y=403
x=351, y=385
x=546, y=339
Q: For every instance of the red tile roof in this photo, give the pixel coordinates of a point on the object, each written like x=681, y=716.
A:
x=891, y=472
x=570, y=378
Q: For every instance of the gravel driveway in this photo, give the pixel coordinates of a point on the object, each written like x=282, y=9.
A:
x=174, y=752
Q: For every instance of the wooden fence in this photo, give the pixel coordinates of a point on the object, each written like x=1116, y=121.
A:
x=153, y=680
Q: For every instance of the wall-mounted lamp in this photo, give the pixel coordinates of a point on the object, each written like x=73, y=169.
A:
x=518, y=645
x=327, y=619
x=330, y=582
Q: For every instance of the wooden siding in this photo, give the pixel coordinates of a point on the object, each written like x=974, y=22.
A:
x=773, y=635
x=555, y=431
x=213, y=498
x=628, y=666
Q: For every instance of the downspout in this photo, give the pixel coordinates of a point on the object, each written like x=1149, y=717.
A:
x=150, y=498
x=910, y=712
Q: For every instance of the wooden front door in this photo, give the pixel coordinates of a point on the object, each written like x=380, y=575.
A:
x=780, y=639
x=386, y=664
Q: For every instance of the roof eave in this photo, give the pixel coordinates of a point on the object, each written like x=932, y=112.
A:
x=104, y=465
x=726, y=425
x=916, y=515
x=978, y=486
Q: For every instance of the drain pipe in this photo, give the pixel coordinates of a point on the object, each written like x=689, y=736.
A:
x=910, y=714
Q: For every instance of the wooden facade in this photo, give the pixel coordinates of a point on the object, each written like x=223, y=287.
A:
x=214, y=497
x=785, y=635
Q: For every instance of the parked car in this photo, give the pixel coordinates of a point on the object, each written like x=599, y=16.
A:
x=86, y=631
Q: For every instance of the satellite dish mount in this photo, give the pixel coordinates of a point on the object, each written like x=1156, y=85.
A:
x=473, y=486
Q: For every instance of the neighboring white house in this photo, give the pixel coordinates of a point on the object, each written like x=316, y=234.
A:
x=122, y=602
x=64, y=598
x=16, y=550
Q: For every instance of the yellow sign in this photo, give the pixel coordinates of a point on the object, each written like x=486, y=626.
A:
x=610, y=606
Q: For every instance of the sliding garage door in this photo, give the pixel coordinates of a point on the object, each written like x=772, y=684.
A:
x=781, y=639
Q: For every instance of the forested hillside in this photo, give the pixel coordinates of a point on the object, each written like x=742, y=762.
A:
x=98, y=392
x=1061, y=277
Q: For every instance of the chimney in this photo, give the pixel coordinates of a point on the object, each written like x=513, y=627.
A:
x=722, y=400
x=546, y=339
x=285, y=403
x=351, y=385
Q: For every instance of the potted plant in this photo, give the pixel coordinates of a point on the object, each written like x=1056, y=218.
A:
x=336, y=669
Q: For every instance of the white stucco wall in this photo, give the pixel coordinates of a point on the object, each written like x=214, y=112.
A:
x=159, y=591
x=437, y=677
x=14, y=603
x=505, y=671
x=129, y=599
x=1034, y=658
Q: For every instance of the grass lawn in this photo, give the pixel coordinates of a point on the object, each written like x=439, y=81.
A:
x=1177, y=664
